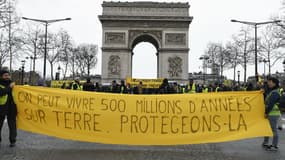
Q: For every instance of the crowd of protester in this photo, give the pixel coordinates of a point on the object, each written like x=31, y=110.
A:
x=165, y=88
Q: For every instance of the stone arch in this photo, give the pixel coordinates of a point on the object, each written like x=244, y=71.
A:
x=165, y=25
x=145, y=37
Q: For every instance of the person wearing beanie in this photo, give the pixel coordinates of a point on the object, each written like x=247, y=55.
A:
x=7, y=106
x=272, y=112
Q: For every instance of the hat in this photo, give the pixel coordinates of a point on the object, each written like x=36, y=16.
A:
x=3, y=72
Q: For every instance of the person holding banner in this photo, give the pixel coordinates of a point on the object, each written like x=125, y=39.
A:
x=272, y=112
x=7, y=106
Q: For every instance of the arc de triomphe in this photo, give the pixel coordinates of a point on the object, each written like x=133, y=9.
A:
x=126, y=24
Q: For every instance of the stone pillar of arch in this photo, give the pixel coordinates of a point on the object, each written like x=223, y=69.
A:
x=126, y=24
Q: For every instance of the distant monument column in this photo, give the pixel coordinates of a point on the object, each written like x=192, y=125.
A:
x=126, y=24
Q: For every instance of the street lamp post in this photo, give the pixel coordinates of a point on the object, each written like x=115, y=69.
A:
x=255, y=24
x=32, y=68
x=204, y=58
x=30, y=74
x=264, y=63
x=58, y=73
x=238, y=72
x=23, y=71
x=46, y=23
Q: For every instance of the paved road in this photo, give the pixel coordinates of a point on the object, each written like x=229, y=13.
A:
x=38, y=147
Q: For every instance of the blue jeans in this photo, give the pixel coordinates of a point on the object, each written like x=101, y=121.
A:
x=273, y=120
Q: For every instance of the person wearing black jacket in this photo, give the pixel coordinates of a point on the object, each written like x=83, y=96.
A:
x=165, y=88
x=88, y=85
x=115, y=87
x=7, y=106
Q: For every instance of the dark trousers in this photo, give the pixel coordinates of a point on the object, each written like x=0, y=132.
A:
x=11, y=124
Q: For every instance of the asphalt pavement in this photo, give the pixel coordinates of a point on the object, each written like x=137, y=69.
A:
x=39, y=147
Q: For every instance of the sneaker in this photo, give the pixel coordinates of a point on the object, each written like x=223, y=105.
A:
x=12, y=145
x=272, y=148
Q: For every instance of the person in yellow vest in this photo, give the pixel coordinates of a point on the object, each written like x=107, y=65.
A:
x=281, y=90
x=191, y=87
x=272, y=112
x=123, y=87
x=176, y=88
x=217, y=87
x=205, y=89
x=63, y=86
x=281, y=108
x=7, y=106
x=76, y=84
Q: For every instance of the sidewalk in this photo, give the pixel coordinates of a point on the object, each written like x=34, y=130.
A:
x=39, y=147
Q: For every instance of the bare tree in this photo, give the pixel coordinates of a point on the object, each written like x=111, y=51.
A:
x=225, y=58
x=219, y=58
x=8, y=13
x=86, y=58
x=11, y=45
x=31, y=40
x=74, y=52
x=270, y=46
x=212, y=52
x=67, y=45
x=8, y=17
x=244, y=42
x=235, y=54
x=4, y=52
x=53, y=49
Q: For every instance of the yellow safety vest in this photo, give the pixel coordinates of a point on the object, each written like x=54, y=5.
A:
x=275, y=110
x=193, y=89
x=217, y=89
x=122, y=89
x=205, y=90
x=281, y=90
x=3, y=99
x=78, y=87
x=183, y=89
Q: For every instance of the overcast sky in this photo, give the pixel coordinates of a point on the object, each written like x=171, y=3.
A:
x=211, y=23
